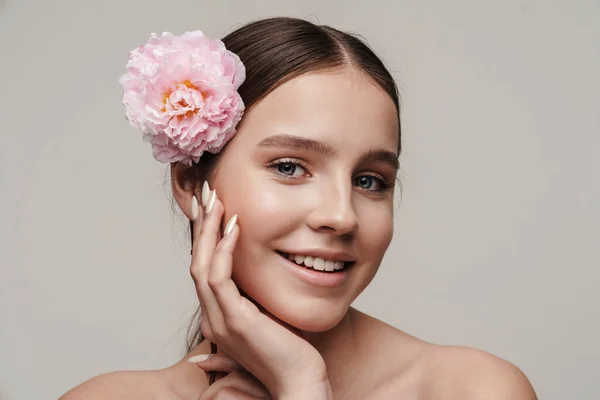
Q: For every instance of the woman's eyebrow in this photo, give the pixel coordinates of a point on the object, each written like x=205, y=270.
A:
x=385, y=156
x=298, y=142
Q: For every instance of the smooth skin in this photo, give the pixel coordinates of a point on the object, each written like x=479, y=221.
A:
x=309, y=168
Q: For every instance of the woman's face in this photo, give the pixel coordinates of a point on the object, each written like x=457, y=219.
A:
x=311, y=172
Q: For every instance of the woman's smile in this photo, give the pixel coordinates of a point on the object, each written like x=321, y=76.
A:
x=319, y=267
x=314, y=275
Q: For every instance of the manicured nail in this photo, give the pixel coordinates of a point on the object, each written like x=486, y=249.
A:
x=199, y=358
x=230, y=225
x=194, y=208
x=211, y=201
x=205, y=193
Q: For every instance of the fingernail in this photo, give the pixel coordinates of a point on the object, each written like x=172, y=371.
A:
x=211, y=201
x=205, y=193
x=199, y=358
x=194, y=208
x=230, y=225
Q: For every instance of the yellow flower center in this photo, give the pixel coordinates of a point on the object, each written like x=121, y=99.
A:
x=182, y=102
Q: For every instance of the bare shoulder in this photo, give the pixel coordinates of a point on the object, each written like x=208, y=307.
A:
x=179, y=381
x=410, y=368
x=465, y=373
x=130, y=385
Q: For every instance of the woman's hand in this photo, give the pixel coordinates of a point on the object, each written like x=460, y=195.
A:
x=287, y=365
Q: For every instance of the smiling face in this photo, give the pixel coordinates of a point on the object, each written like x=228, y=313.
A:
x=311, y=172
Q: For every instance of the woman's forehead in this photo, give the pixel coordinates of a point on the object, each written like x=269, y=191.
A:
x=326, y=105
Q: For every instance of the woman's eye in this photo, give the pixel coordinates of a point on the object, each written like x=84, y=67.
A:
x=291, y=169
x=369, y=182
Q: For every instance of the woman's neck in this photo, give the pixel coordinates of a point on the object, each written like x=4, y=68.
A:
x=343, y=349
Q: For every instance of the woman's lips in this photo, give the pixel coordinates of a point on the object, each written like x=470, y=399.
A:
x=331, y=279
x=315, y=262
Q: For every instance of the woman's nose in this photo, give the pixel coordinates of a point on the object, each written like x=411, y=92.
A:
x=335, y=212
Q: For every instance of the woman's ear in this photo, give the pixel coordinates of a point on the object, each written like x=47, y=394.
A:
x=184, y=186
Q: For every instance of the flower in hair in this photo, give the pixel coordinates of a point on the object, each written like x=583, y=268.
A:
x=181, y=91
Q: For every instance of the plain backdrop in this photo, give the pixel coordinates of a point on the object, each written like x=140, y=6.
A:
x=496, y=242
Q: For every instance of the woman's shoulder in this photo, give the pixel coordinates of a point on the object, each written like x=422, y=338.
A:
x=181, y=380
x=418, y=369
x=456, y=372
x=130, y=385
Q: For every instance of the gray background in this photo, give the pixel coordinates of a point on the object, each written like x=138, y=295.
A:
x=496, y=241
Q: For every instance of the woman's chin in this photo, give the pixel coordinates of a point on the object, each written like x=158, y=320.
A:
x=315, y=326
x=308, y=320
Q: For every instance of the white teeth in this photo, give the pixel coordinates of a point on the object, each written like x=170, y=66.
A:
x=329, y=265
x=319, y=264
x=316, y=263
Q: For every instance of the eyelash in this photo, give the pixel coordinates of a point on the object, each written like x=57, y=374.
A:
x=384, y=186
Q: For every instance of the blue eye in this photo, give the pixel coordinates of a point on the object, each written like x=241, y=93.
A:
x=372, y=183
x=368, y=182
x=288, y=168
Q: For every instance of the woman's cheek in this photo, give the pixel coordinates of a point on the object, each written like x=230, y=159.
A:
x=266, y=205
x=264, y=210
x=376, y=229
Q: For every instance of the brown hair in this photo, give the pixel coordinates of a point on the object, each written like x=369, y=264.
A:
x=275, y=50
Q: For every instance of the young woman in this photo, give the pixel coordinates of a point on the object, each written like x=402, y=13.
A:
x=295, y=215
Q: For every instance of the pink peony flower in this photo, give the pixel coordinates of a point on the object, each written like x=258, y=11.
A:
x=181, y=91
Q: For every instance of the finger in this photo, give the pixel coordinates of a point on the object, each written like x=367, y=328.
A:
x=219, y=362
x=207, y=239
x=215, y=323
x=224, y=289
x=196, y=228
x=237, y=381
x=202, y=262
